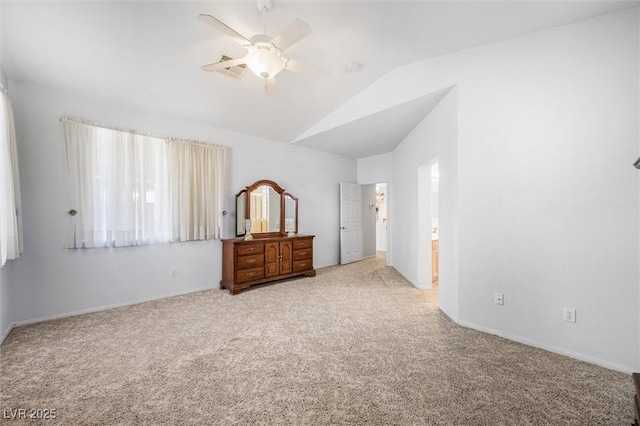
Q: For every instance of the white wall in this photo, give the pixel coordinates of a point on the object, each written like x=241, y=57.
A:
x=50, y=281
x=549, y=126
x=436, y=136
x=375, y=169
x=548, y=202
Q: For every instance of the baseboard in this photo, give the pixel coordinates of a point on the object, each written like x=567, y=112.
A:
x=424, y=287
x=104, y=308
x=550, y=348
x=6, y=333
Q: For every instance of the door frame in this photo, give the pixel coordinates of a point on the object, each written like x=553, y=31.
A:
x=424, y=224
x=368, y=221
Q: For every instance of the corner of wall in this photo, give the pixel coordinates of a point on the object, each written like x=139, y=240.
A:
x=5, y=318
x=4, y=80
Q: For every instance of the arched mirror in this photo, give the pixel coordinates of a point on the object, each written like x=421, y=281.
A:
x=265, y=203
x=264, y=209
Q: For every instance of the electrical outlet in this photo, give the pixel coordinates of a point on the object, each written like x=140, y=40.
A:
x=498, y=299
x=173, y=272
x=569, y=314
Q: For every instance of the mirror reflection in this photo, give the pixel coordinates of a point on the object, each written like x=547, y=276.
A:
x=264, y=210
x=240, y=212
x=290, y=214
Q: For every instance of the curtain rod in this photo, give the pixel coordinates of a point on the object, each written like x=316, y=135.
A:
x=133, y=131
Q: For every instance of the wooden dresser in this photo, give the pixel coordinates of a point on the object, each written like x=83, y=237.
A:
x=246, y=263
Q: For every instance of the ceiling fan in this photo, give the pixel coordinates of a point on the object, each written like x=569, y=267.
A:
x=264, y=53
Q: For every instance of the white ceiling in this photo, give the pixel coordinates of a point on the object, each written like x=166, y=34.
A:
x=376, y=133
x=147, y=54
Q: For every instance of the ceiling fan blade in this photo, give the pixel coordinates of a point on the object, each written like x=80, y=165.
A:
x=304, y=69
x=296, y=31
x=270, y=85
x=223, y=64
x=224, y=29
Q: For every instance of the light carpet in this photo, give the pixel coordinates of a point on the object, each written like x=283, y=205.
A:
x=355, y=345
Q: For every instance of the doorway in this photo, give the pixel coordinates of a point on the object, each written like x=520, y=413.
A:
x=382, y=226
x=435, y=240
x=428, y=231
x=374, y=220
x=364, y=222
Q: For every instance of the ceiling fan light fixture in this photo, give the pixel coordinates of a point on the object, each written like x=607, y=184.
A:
x=264, y=63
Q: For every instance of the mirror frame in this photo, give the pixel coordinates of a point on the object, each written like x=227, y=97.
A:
x=280, y=191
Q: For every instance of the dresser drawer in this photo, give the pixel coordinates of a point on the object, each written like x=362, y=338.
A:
x=251, y=261
x=302, y=254
x=302, y=265
x=249, y=274
x=245, y=249
x=302, y=243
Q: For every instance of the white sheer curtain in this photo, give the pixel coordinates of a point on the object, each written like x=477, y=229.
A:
x=198, y=173
x=133, y=189
x=120, y=185
x=10, y=202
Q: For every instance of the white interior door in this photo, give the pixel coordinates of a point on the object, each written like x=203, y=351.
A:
x=350, y=222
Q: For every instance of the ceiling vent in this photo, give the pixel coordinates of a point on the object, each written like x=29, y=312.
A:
x=236, y=72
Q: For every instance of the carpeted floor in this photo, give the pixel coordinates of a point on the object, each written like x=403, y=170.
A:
x=354, y=345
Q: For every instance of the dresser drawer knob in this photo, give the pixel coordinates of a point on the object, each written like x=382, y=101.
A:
x=251, y=261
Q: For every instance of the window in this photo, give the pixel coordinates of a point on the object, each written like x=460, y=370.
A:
x=133, y=189
x=10, y=204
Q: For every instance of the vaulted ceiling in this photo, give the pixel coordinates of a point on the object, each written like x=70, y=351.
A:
x=148, y=54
